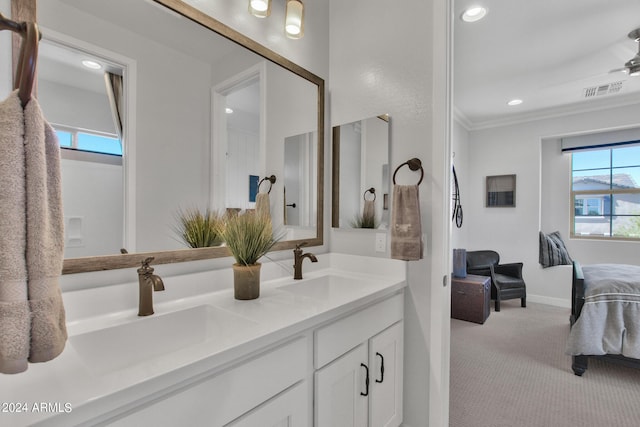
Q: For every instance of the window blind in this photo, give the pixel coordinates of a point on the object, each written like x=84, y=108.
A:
x=601, y=140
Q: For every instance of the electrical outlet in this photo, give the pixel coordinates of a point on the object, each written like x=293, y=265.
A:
x=381, y=242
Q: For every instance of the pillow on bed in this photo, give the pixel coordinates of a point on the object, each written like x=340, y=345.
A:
x=552, y=250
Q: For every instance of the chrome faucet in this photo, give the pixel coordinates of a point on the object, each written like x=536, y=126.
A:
x=298, y=257
x=148, y=282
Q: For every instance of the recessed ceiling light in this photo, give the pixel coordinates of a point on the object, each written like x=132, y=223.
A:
x=91, y=64
x=228, y=110
x=514, y=102
x=474, y=13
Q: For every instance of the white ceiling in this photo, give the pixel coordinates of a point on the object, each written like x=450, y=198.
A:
x=545, y=52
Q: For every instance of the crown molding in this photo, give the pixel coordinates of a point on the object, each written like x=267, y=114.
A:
x=549, y=113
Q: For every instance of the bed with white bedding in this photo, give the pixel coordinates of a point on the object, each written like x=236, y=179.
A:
x=605, y=314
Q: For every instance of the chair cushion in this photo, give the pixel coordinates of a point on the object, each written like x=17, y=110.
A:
x=508, y=282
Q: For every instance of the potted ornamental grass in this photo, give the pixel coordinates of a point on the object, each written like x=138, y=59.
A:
x=248, y=236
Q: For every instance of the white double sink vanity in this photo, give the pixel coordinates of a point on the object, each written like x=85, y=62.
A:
x=315, y=351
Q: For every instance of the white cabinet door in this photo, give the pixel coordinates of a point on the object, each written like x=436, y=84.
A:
x=288, y=409
x=386, y=362
x=341, y=391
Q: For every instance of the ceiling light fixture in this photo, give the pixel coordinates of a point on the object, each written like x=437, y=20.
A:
x=473, y=14
x=514, y=102
x=228, y=110
x=260, y=8
x=294, y=19
x=91, y=64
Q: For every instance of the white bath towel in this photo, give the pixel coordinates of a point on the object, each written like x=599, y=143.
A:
x=45, y=236
x=406, y=227
x=369, y=212
x=263, y=206
x=32, y=320
x=15, y=320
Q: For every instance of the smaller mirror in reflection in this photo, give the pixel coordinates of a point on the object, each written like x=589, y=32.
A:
x=361, y=174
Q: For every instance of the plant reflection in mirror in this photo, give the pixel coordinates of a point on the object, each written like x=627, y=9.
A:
x=365, y=221
x=198, y=229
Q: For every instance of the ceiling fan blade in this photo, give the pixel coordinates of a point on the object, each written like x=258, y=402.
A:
x=618, y=70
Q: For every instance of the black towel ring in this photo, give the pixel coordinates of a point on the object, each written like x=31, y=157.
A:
x=271, y=179
x=414, y=164
x=372, y=191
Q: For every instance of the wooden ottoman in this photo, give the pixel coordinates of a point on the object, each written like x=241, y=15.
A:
x=470, y=298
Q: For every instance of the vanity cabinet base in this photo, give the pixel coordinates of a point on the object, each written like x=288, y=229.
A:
x=224, y=397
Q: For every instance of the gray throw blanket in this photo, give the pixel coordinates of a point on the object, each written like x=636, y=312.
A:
x=610, y=319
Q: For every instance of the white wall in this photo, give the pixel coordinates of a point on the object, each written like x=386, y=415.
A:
x=93, y=206
x=386, y=58
x=542, y=201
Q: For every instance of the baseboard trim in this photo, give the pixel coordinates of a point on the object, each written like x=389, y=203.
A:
x=557, y=302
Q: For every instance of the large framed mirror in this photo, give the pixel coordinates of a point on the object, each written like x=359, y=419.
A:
x=182, y=73
x=361, y=181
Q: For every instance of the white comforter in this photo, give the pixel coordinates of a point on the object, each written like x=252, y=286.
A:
x=610, y=319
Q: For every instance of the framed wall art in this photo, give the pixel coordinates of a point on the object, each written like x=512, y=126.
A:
x=501, y=191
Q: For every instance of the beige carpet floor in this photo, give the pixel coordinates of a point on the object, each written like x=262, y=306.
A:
x=512, y=372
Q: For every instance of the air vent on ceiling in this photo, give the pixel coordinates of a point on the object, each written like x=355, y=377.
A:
x=608, y=89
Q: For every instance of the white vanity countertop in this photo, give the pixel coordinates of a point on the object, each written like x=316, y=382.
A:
x=73, y=386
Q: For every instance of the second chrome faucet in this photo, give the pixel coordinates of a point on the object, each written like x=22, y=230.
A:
x=298, y=257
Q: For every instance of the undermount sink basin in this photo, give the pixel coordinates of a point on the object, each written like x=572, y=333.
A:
x=323, y=288
x=117, y=347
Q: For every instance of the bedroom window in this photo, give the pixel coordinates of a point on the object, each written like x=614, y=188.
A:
x=605, y=193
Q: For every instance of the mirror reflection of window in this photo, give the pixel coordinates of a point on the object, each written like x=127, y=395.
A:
x=73, y=95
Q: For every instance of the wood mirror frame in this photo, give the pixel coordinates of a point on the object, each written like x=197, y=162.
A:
x=110, y=262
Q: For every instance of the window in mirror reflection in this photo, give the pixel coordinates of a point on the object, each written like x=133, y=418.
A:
x=89, y=141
